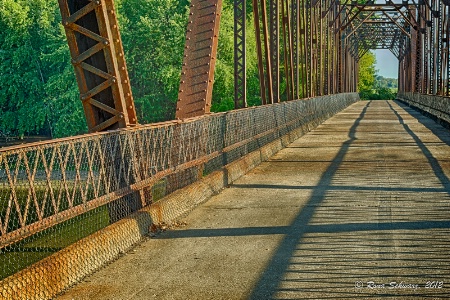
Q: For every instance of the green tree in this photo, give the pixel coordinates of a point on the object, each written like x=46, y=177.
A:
x=37, y=91
x=367, y=74
x=223, y=91
x=153, y=34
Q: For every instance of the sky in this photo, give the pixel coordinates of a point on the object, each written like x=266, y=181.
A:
x=387, y=63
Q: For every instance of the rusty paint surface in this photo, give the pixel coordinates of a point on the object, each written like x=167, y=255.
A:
x=98, y=59
x=200, y=53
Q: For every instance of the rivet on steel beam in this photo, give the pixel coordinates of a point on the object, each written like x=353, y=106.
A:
x=117, y=41
x=123, y=68
x=178, y=108
x=125, y=81
x=182, y=81
x=106, y=43
x=179, y=99
x=111, y=11
x=120, y=54
x=65, y=23
x=128, y=95
x=113, y=80
x=114, y=26
x=121, y=116
x=131, y=107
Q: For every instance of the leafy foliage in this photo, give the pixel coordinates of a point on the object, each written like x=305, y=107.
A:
x=39, y=93
x=370, y=85
x=367, y=72
x=383, y=82
x=153, y=34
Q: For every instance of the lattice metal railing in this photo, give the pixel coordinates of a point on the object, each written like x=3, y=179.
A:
x=437, y=106
x=54, y=193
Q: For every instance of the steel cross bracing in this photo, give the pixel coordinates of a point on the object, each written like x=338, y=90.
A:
x=240, y=79
x=97, y=56
x=305, y=48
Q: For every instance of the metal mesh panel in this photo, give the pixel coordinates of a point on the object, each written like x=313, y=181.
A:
x=53, y=194
x=436, y=106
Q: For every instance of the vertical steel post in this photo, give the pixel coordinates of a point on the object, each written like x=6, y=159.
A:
x=200, y=52
x=274, y=29
x=267, y=55
x=259, y=51
x=295, y=46
x=240, y=74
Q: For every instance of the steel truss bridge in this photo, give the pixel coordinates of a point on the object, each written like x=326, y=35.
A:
x=69, y=206
x=311, y=47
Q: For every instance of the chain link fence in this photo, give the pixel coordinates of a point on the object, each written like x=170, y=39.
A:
x=52, y=194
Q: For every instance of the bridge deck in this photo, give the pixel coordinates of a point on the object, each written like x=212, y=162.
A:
x=363, y=198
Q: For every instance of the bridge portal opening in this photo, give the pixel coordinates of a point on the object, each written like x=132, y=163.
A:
x=386, y=64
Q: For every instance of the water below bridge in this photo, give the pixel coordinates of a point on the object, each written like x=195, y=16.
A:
x=357, y=208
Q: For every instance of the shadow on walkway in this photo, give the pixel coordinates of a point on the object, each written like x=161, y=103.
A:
x=279, y=275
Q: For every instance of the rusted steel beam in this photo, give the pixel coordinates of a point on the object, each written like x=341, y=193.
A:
x=97, y=56
x=286, y=50
x=240, y=74
x=295, y=17
x=267, y=55
x=197, y=75
x=274, y=31
x=259, y=51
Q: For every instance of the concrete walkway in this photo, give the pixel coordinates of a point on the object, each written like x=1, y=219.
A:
x=358, y=208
